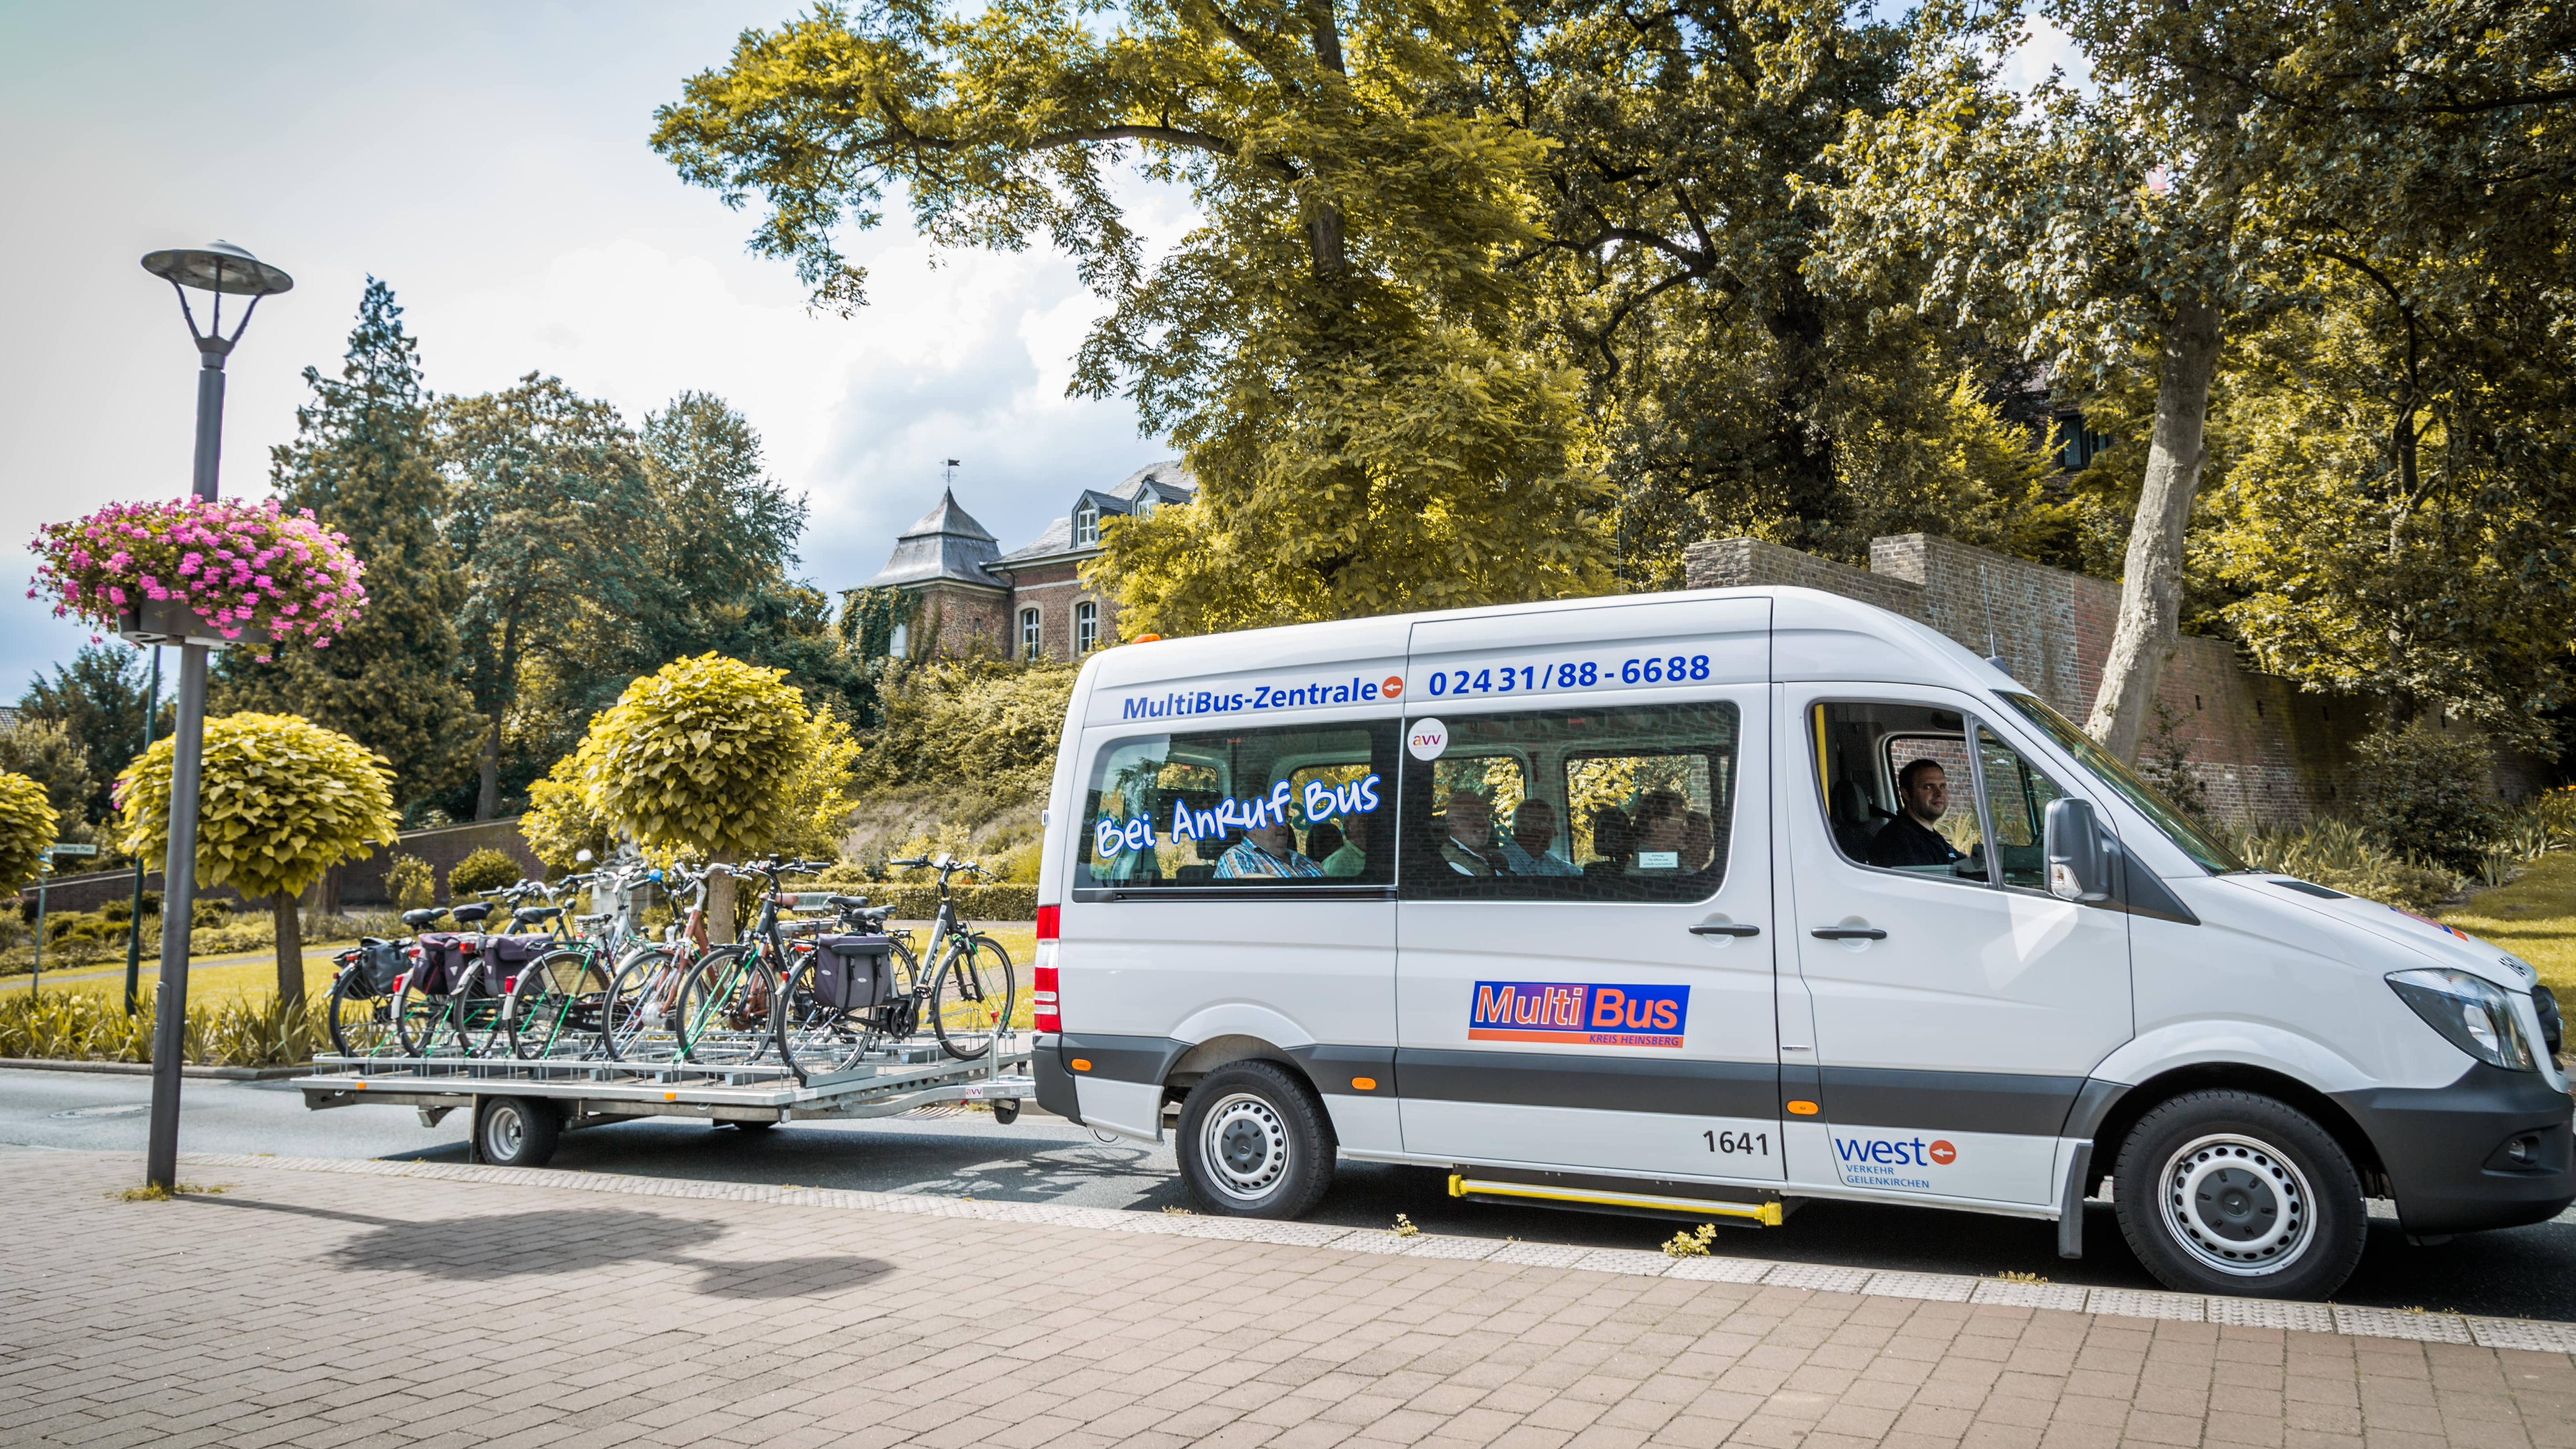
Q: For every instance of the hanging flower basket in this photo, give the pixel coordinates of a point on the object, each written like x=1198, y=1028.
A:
x=194, y=572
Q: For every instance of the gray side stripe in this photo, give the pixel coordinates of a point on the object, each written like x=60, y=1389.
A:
x=1683, y=1087
x=2001, y=1102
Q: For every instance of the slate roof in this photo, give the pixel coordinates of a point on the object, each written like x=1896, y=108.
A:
x=1169, y=481
x=946, y=543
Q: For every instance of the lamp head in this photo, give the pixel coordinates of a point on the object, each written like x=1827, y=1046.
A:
x=218, y=267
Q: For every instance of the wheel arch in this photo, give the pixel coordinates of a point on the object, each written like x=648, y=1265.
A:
x=2122, y=1113
x=1224, y=1050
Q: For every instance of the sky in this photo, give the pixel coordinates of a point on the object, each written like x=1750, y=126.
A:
x=489, y=161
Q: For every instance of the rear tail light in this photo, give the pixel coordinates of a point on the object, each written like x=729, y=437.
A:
x=399, y=980
x=1049, y=1013
x=1047, y=918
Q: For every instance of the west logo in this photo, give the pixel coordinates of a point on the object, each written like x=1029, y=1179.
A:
x=1895, y=1151
x=1580, y=1013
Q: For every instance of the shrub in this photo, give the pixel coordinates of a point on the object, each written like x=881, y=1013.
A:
x=27, y=824
x=2430, y=793
x=409, y=881
x=485, y=870
x=2339, y=855
x=980, y=729
x=93, y=1026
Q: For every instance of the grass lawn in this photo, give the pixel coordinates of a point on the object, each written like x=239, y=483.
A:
x=2534, y=918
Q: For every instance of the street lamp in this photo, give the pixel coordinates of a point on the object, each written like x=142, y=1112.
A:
x=226, y=271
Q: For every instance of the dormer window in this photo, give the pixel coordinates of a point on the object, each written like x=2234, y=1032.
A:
x=1145, y=506
x=1086, y=525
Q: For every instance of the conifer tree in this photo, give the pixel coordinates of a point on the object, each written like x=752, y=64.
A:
x=362, y=461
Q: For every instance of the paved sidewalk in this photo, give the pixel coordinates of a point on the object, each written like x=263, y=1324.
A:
x=474, y=1306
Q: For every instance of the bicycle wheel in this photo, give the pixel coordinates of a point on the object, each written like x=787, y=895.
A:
x=723, y=1016
x=480, y=1001
x=814, y=1036
x=424, y=1026
x=554, y=1006
x=973, y=997
x=362, y=1023
x=636, y=1020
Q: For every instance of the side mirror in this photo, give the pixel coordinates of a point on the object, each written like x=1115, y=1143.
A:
x=2079, y=869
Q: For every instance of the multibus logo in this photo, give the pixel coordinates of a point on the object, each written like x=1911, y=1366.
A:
x=1579, y=1013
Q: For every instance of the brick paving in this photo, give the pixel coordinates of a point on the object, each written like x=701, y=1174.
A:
x=326, y=1308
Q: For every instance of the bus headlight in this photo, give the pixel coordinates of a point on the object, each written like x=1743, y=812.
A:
x=2471, y=1013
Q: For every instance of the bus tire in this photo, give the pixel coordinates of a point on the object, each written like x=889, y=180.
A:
x=1254, y=1143
x=2237, y=1193
x=517, y=1132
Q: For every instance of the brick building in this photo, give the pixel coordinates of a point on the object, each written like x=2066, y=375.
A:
x=1030, y=603
x=2265, y=751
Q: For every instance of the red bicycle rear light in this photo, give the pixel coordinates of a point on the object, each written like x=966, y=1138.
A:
x=1047, y=916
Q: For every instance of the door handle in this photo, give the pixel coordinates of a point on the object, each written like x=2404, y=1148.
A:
x=1725, y=929
x=1848, y=933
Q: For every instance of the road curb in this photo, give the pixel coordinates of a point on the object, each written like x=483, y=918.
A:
x=144, y=1069
x=2335, y=1318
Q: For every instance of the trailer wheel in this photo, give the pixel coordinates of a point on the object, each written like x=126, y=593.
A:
x=1006, y=1111
x=517, y=1132
x=2231, y=1192
x=1254, y=1143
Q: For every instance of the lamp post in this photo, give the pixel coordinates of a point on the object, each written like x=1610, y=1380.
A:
x=226, y=271
x=134, y=922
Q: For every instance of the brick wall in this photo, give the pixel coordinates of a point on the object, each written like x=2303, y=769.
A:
x=2264, y=751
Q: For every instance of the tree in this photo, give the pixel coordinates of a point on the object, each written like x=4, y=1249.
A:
x=99, y=698
x=47, y=752
x=1336, y=344
x=720, y=759
x=547, y=510
x=363, y=461
x=281, y=800
x=26, y=828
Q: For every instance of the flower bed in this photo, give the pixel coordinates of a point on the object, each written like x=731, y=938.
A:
x=243, y=568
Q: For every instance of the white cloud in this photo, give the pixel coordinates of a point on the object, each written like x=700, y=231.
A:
x=2048, y=48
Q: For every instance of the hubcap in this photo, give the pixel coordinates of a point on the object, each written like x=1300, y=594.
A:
x=1244, y=1146
x=507, y=1132
x=2238, y=1205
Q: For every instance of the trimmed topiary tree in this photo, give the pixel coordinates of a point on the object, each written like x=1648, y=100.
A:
x=27, y=823
x=484, y=870
x=281, y=801
x=718, y=758
x=561, y=821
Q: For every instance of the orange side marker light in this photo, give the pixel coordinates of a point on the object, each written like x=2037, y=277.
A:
x=1081, y=1064
x=1802, y=1109
x=1365, y=1084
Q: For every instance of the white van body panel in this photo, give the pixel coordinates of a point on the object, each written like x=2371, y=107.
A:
x=1978, y=995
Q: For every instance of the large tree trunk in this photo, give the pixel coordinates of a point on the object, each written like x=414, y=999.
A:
x=487, y=800
x=290, y=947
x=2151, y=581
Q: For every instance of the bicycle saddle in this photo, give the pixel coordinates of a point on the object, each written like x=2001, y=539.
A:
x=848, y=903
x=422, y=917
x=471, y=914
x=526, y=915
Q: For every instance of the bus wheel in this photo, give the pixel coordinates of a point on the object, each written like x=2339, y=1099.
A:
x=2231, y=1192
x=1254, y=1143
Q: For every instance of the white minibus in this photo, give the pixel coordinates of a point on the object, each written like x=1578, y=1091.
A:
x=1709, y=903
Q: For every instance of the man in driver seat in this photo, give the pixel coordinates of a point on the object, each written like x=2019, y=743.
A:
x=1923, y=796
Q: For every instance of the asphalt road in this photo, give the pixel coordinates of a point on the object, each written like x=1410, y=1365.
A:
x=2525, y=1272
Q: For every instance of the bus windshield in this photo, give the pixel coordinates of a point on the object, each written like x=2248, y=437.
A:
x=2210, y=853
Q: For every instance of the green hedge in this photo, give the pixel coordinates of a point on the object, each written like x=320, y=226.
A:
x=996, y=903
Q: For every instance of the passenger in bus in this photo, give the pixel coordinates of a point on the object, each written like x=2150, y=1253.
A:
x=1923, y=795
x=1611, y=836
x=1527, y=850
x=1267, y=851
x=1468, y=835
x=1662, y=820
x=1322, y=839
x=1699, y=841
x=1352, y=858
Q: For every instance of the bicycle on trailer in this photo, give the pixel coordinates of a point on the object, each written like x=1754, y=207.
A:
x=727, y=1001
x=639, y=1018
x=362, y=991
x=969, y=990
x=849, y=993
x=558, y=1003
x=458, y=988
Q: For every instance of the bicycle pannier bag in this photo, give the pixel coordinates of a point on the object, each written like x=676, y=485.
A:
x=442, y=962
x=513, y=951
x=379, y=962
x=853, y=973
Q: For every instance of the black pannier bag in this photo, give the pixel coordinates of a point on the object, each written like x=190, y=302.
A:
x=442, y=961
x=853, y=973
x=379, y=962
